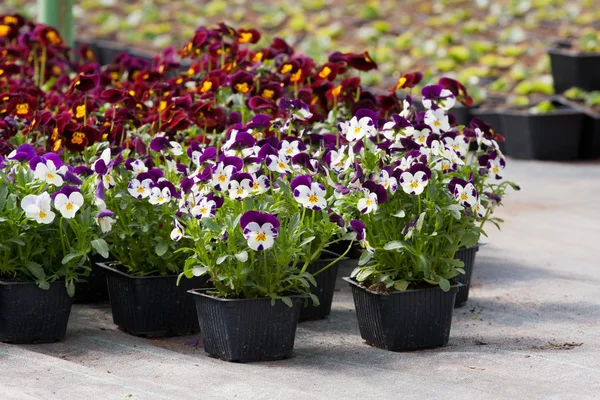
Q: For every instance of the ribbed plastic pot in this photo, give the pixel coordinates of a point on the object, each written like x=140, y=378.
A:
x=467, y=256
x=462, y=114
x=403, y=321
x=29, y=314
x=341, y=247
x=152, y=305
x=246, y=330
x=324, y=289
x=574, y=69
x=92, y=288
x=555, y=135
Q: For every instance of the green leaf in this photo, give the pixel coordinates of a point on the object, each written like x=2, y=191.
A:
x=314, y=299
x=306, y=241
x=420, y=221
x=399, y=214
x=70, y=256
x=211, y=224
x=444, y=284
x=15, y=240
x=401, y=285
x=393, y=245
x=161, y=249
x=364, y=274
x=287, y=301
x=365, y=257
x=71, y=288
x=44, y=285
x=199, y=270
x=242, y=256
x=36, y=270
x=100, y=246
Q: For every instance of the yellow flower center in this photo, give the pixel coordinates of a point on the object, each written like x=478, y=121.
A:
x=203, y=210
x=290, y=151
x=9, y=19
x=261, y=237
x=463, y=196
x=161, y=199
x=257, y=57
x=42, y=214
x=114, y=76
x=282, y=165
x=296, y=76
x=369, y=202
x=57, y=145
x=242, y=87
x=313, y=198
x=495, y=170
x=206, y=86
x=80, y=111
x=356, y=130
x=268, y=93
x=53, y=38
x=325, y=72
x=414, y=184
x=49, y=175
x=437, y=123
x=22, y=108
x=255, y=186
x=240, y=191
x=69, y=207
x=162, y=106
x=140, y=190
x=4, y=30
x=336, y=90
x=400, y=82
x=78, y=138
x=222, y=178
x=286, y=68
x=245, y=37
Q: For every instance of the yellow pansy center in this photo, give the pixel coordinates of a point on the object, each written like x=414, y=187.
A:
x=206, y=86
x=4, y=30
x=140, y=190
x=222, y=178
x=162, y=106
x=296, y=76
x=313, y=198
x=52, y=37
x=261, y=237
x=268, y=93
x=22, y=108
x=245, y=37
x=336, y=90
x=69, y=206
x=286, y=68
x=78, y=138
x=42, y=214
x=436, y=123
x=80, y=111
x=414, y=184
x=242, y=87
x=400, y=82
x=257, y=57
x=325, y=72
x=463, y=196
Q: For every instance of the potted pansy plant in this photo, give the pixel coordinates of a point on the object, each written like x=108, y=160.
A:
x=47, y=213
x=256, y=225
x=140, y=202
x=414, y=211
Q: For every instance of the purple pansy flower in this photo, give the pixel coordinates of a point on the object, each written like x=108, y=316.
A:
x=308, y=193
x=259, y=229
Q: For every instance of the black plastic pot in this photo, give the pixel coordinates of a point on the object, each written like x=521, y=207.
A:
x=571, y=68
x=247, y=330
x=341, y=247
x=462, y=114
x=467, y=256
x=152, y=305
x=108, y=51
x=589, y=146
x=402, y=321
x=555, y=135
x=92, y=288
x=324, y=289
x=29, y=314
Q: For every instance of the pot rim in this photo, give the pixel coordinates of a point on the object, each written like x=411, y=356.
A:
x=105, y=266
x=10, y=283
x=199, y=292
x=573, y=53
x=555, y=113
x=351, y=281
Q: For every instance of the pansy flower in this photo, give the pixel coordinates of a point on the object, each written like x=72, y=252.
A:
x=223, y=170
x=361, y=234
x=387, y=180
x=464, y=192
x=415, y=179
x=375, y=194
x=457, y=89
x=103, y=167
x=177, y=232
x=240, y=185
x=494, y=163
x=140, y=189
x=259, y=229
x=436, y=95
x=205, y=208
x=356, y=129
x=105, y=221
x=136, y=166
x=308, y=193
x=290, y=148
x=278, y=164
x=38, y=208
x=48, y=168
x=437, y=120
x=24, y=152
x=68, y=201
x=260, y=184
x=459, y=144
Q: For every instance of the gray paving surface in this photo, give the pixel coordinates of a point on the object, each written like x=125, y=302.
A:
x=531, y=328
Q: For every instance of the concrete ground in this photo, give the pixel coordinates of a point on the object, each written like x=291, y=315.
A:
x=531, y=328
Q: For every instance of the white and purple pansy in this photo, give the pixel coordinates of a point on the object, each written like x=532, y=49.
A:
x=140, y=189
x=436, y=95
x=48, y=168
x=160, y=143
x=260, y=184
x=357, y=129
x=103, y=167
x=291, y=148
x=199, y=155
x=240, y=185
x=387, y=179
x=374, y=195
x=136, y=166
x=162, y=192
x=204, y=208
x=361, y=234
x=419, y=134
x=415, y=179
x=177, y=232
x=494, y=163
x=310, y=194
x=297, y=109
x=259, y=229
x=479, y=209
x=279, y=163
x=38, y=208
x=239, y=144
x=24, y=152
x=464, y=192
x=458, y=143
x=223, y=170
x=104, y=219
x=68, y=201
x=437, y=120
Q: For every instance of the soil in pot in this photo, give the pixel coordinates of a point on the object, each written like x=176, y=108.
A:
x=324, y=289
x=152, y=305
x=554, y=135
x=467, y=256
x=29, y=314
x=571, y=67
x=246, y=330
x=403, y=321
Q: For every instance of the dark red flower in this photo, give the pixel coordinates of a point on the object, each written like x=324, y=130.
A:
x=409, y=80
x=361, y=62
x=457, y=89
x=78, y=137
x=248, y=35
